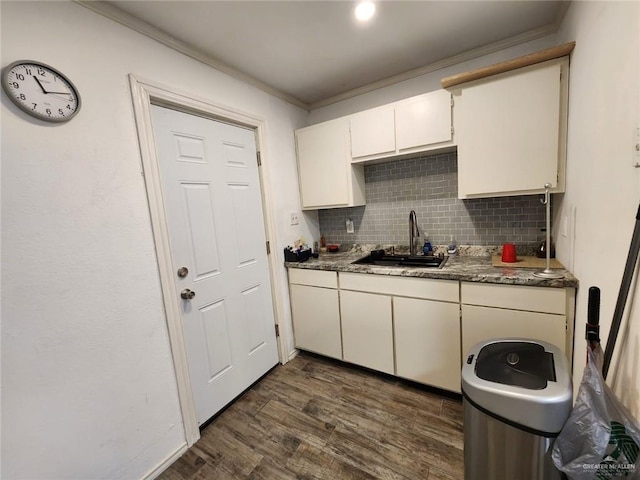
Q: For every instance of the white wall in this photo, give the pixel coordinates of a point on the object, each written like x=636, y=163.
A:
x=88, y=388
x=603, y=189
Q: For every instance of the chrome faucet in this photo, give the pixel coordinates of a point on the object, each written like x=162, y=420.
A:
x=413, y=232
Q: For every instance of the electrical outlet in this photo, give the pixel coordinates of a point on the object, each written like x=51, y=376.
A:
x=636, y=148
x=349, y=225
x=294, y=218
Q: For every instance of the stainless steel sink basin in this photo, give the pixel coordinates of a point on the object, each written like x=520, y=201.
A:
x=380, y=258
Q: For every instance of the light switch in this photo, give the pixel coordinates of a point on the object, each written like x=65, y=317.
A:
x=294, y=218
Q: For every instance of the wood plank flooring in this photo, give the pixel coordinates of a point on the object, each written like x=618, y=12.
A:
x=315, y=418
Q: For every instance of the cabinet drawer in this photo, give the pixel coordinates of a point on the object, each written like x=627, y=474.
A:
x=427, y=288
x=517, y=297
x=484, y=323
x=315, y=278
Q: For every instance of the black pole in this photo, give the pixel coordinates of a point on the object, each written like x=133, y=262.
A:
x=629, y=268
x=592, y=332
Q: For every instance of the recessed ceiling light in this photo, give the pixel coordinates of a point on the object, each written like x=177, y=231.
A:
x=365, y=11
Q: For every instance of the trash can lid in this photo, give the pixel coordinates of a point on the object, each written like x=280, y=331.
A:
x=523, y=364
x=522, y=381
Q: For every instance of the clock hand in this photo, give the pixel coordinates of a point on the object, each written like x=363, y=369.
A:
x=60, y=96
x=39, y=83
x=48, y=91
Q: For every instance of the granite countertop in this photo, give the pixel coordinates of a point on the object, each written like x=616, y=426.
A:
x=468, y=268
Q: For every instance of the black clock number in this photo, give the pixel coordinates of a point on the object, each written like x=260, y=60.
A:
x=22, y=96
x=48, y=110
x=34, y=106
x=27, y=71
x=15, y=85
x=20, y=77
x=41, y=72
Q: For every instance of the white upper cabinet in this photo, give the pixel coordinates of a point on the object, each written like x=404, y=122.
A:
x=511, y=131
x=331, y=155
x=423, y=120
x=327, y=178
x=373, y=132
x=409, y=126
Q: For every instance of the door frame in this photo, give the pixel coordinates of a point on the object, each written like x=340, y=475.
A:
x=145, y=93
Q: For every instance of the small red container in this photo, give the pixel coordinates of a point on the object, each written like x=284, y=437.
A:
x=509, y=253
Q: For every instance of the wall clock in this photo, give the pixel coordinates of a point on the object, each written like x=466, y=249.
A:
x=41, y=91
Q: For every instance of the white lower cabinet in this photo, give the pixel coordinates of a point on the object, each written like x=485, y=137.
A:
x=427, y=342
x=315, y=312
x=537, y=313
x=418, y=328
x=367, y=332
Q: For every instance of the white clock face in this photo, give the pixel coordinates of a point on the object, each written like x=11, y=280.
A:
x=41, y=91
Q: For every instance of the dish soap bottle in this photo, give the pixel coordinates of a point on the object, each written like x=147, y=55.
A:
x=452, y=249
x=541, y=251
x=427, y=248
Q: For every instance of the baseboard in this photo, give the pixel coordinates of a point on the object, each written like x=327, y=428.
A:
x=167, y=463
x=293, y=354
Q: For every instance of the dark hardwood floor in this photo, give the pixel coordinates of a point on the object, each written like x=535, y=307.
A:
x=314, y=418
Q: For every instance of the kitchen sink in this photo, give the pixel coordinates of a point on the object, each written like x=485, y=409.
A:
x=380, y=258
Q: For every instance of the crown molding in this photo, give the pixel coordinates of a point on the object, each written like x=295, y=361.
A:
x=122, y=17
x=446, y=62
x=114, y=13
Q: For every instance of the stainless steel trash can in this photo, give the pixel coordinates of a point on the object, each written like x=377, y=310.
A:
x=517, y=394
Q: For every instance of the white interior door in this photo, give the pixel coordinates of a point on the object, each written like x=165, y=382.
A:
x=213, y=207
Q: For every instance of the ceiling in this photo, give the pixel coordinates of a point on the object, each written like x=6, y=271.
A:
x=313, y=53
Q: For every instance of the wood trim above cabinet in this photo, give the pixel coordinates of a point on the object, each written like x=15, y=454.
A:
x=524, y=61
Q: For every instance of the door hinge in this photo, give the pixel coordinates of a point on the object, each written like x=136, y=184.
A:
x=277, y=330
x=259, y=159
x=268, y=248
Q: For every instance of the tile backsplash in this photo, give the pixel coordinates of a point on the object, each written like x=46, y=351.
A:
x=429, y=185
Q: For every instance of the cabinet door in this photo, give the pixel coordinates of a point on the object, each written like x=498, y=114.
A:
x=484, y=323
x=322, y=164
x=508, y=132
x=373, y=132
x=427, y=342
x=423, y=120
x=367, y=334
x=316, y=320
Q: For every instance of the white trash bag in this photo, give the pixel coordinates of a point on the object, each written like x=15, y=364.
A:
x=600, y=440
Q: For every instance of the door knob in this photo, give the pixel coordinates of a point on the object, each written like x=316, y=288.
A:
x=187, y=294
